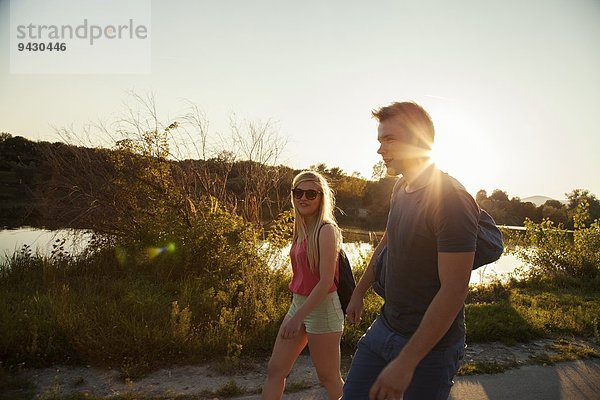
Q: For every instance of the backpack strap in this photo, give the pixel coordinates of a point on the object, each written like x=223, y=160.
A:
x=335, y=280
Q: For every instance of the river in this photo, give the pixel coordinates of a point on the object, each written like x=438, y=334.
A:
x=41, y=241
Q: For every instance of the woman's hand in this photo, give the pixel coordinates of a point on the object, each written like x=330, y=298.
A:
x=291, y=328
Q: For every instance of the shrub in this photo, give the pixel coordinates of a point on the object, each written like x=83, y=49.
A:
x=557, y=254
x=172, y=296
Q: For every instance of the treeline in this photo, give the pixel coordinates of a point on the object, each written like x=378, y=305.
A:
x=61, y=185
x=514, y=211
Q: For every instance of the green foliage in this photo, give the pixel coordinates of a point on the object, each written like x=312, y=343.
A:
x=497, y=322
x=572, y=311
x=54, y=184
x=547, y=249
x=20, y=173
x=576, y=198
x=174, y=275
x=520, y=311
x=230, y=389
x=488, y=293
x=556, y=254
x=377, y=201
x=182, y=295
x=280, y=231
x=171, y=274
x=372, y=305
x=10, y=381
x=485, y=368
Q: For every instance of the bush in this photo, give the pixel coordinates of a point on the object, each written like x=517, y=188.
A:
x=557, y=254
x=174, y=296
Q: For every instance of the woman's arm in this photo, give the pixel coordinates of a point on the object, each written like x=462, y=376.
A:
x=327, y=266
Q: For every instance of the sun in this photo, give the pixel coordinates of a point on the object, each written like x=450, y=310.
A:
x=465, y=157
x=439, y=158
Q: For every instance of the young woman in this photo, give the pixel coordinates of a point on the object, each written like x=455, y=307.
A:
x=315, y=315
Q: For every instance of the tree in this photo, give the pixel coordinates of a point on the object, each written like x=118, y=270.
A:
x=555, y=212
x=320, y=168
x=379, y=171
x=481, y=195
x=4, y=136
x=499, y=195
x=349, y=193
x=260, y=146
x=377, y=201
x=143, y=176
x=579, y=196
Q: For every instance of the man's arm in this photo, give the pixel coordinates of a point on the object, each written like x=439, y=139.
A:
x=356, y=306
x=454, y=270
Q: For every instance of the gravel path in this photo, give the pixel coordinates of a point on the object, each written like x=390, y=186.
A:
x=205, y=381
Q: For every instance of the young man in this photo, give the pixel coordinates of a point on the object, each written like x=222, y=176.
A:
x=413, y=348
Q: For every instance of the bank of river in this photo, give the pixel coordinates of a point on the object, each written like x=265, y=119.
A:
x=358, y=245
x=41, y=241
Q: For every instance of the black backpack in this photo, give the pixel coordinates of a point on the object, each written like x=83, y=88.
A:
x=347, y=283
x=489, y=248
x=489, y=241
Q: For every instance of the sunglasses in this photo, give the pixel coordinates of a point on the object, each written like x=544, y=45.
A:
x=310, y=193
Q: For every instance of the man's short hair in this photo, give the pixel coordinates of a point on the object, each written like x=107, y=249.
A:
x=414, y=119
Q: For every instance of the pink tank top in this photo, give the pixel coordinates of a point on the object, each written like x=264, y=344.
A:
x=303, y=279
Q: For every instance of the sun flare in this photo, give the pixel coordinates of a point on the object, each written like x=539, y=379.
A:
x=466, y=157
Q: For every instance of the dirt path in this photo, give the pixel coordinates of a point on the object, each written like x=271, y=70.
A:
x=205, y=381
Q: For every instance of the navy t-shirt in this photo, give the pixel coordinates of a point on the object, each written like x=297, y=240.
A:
x=439, y=216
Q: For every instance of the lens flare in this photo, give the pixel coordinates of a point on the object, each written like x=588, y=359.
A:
x=153, y=252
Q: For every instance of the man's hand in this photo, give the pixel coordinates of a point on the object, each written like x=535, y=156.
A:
x=392, y=382
x=355, y=309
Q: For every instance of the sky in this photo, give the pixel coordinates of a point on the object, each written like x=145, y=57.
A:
x=513, y=86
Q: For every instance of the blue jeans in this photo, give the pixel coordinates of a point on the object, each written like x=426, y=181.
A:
x=380, y=345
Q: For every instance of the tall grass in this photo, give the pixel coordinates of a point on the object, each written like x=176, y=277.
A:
x=125, y=311
x=182, y=294
x=135, y=307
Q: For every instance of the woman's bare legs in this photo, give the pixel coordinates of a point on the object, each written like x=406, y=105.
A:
x=325, y=355
x=285, y=353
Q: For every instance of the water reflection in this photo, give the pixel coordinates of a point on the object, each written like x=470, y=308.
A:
x=360, y=252
x=41, y=241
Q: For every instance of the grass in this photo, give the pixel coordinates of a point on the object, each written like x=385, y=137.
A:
x=129, y=320
x=293, y=387
x=230, y=389
x=486, y=367
x=18, y=387
x=558, y=351
x=523, y=311
x=136, y=318
x=563, y=350
x=232, y=366
x=127, y=396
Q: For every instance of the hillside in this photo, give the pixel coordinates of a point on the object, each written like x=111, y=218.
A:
x=539, y=200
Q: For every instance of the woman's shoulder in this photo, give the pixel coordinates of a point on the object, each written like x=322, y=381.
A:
x=330, y=227
x=329, y=231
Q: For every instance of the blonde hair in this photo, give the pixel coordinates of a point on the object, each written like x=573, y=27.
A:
x=324, y=215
